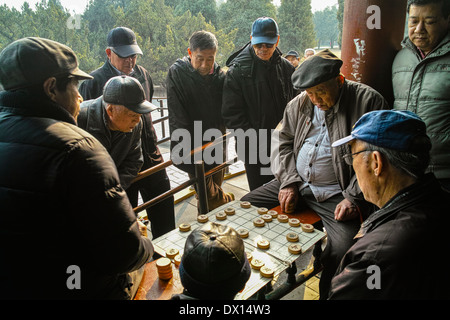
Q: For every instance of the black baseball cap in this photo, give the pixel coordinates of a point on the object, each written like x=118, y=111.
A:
x=127, y=91
x=30, y=61
x=123, y=42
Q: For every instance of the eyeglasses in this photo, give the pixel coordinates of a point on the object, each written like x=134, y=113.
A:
x=267, y=45
x=132, y=57
x=349, y=156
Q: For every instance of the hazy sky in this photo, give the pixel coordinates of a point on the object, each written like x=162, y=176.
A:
x=78, y=6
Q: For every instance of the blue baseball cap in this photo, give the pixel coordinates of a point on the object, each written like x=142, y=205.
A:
x=391, y=129
x=265, y=30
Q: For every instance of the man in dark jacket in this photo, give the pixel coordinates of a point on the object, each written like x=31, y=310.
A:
x=257, y=88
x=114, y=119
x=391, y=258
x=194, y=97
x=122, y=54
x=84, y=238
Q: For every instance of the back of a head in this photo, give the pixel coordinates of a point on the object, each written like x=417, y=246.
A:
x=214, y=264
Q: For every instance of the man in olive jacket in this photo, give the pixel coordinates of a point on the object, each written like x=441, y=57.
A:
x=257, y=88
x=67, y=228
x=421, y=77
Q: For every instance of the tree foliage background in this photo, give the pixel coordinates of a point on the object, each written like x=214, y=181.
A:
x=162, y=27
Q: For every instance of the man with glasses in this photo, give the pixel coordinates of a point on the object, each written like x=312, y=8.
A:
x=390, y=152
x=122, y=52
x=257, y=88
x=194, y=98
x=308, y=171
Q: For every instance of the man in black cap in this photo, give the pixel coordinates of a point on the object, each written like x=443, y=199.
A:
x=214, y=265
x=256, y=90
x=194, y=98
x=122, y=52
x=84, y=240
x=308, y=172
x=293, y=58
x=114, y=119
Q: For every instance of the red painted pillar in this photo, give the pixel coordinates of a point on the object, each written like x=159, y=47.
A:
x=372, y=32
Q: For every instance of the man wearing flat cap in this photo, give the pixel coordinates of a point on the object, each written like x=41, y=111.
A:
x=122, y=52
x=390, y=153
x=85, y=241
x=115, y=120
x=256, y=90
x=214, y=265
x=293, y=57
x=307, y=170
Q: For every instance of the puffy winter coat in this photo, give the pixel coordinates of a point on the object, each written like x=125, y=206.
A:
x=64, y=218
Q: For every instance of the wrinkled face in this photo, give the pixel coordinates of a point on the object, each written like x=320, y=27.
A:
x=203, y=60
x=123, y=64
x=361, y=165
x=70, y=99
x=293, y=60
x=121, y=118
x=326, y=94
x=265, y=51
x=427, y=26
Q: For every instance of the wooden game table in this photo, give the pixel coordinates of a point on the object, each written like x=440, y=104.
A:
x=277, y=257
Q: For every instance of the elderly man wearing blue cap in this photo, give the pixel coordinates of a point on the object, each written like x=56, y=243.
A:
x=390, y=152
x=256, y=90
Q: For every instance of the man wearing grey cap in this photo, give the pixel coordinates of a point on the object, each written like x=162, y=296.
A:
x=84, y=241
x=115, y=120
x=390, y=152
x=122, y=52
x=307, y=170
